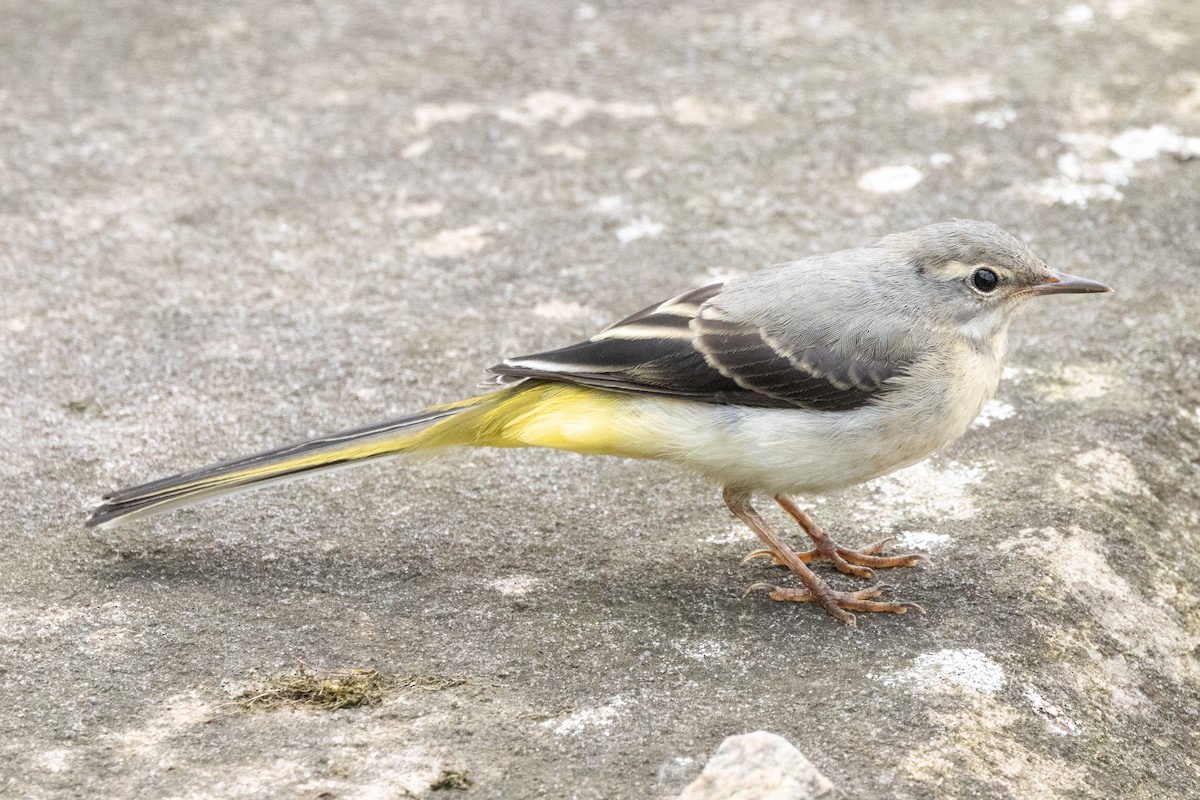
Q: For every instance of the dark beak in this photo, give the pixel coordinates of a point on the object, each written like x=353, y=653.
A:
x=1060, y=283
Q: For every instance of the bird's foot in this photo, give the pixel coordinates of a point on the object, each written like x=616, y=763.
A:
x=861, y=562
x=839, y=604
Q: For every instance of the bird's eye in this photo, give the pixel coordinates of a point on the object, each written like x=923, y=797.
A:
x=984, y=280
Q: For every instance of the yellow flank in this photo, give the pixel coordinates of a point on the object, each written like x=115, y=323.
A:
x=559, y=415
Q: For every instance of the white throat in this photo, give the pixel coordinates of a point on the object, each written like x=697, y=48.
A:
x=982, y=328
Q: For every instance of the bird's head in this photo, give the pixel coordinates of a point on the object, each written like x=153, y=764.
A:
x=974, y=276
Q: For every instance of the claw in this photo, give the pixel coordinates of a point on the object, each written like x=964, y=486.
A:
x=762, y=552
x=875, y=547
x=759, y=587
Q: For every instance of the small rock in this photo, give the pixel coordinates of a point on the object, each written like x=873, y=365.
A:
x=758, y=766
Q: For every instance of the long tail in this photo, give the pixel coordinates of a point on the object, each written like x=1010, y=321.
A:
x=428, y=429
x=529, y=414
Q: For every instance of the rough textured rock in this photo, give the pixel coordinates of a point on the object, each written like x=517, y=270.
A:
x=225, y=226
x=758, y=766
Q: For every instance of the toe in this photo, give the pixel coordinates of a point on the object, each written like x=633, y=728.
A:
x=877, y=606
x=866, y=558
x=850, y=568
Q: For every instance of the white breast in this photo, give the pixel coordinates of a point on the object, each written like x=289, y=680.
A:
x=811, y=452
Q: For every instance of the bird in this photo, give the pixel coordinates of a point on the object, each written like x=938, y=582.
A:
x=801, y=379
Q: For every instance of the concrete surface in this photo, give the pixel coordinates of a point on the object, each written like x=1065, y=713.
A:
x=224, y=226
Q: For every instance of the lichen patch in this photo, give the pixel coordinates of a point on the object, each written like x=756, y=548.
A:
x=982, y=740
x=1146, y=628
x=951, y=670
x=1103, y=473
x=599, y=718
x=923, y=490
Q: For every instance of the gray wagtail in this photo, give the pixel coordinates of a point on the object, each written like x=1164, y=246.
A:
x=804, y=378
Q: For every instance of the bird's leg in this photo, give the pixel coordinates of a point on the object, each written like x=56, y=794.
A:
x=852, y=562
x=837, y=604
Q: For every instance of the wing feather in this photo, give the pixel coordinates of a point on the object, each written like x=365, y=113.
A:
x=687, y=347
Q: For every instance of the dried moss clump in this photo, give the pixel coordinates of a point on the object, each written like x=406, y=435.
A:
x=330, y=690
x=450, y=779
x=326, y=690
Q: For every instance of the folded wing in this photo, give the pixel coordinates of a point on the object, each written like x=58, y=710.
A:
x=687, y=347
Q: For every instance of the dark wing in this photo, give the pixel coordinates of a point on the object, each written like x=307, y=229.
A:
x=685, y=347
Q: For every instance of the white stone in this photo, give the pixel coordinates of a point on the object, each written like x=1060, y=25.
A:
x=758, y=766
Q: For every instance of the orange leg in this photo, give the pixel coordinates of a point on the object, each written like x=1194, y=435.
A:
x=852, y=562
x=837, y=604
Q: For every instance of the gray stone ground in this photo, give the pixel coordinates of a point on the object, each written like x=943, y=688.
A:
x=225, y=226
